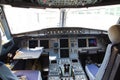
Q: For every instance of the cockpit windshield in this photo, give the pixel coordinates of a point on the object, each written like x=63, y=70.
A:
x=22, y=20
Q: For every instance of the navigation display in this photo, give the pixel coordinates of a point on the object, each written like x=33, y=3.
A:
x=82, y=43
x=44, y=43
x=92, y=42
x=33, y=43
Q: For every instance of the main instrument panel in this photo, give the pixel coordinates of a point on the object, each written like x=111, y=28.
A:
x=65, y=41
x=66, y=45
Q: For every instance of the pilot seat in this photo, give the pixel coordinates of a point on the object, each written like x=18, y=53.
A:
x=97, y=73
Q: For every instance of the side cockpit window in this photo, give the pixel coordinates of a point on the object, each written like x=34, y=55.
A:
x=3, y=35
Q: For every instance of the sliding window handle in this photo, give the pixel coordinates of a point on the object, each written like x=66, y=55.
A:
x=9, y=57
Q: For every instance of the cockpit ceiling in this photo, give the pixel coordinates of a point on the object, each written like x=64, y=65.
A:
x=59, y=3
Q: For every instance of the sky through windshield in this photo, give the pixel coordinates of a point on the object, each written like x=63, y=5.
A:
x=26, y=19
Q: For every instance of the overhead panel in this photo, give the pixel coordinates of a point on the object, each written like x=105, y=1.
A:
x=51, y=3
x=65, y=3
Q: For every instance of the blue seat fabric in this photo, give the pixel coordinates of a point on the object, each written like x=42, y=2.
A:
x=93, y=69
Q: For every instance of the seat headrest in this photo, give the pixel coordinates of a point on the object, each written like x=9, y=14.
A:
x=114, y=34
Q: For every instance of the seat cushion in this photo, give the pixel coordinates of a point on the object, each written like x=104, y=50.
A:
x=30, y=74
x=92, y=69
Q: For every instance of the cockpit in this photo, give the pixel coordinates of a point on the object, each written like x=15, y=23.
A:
x=59, y=39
